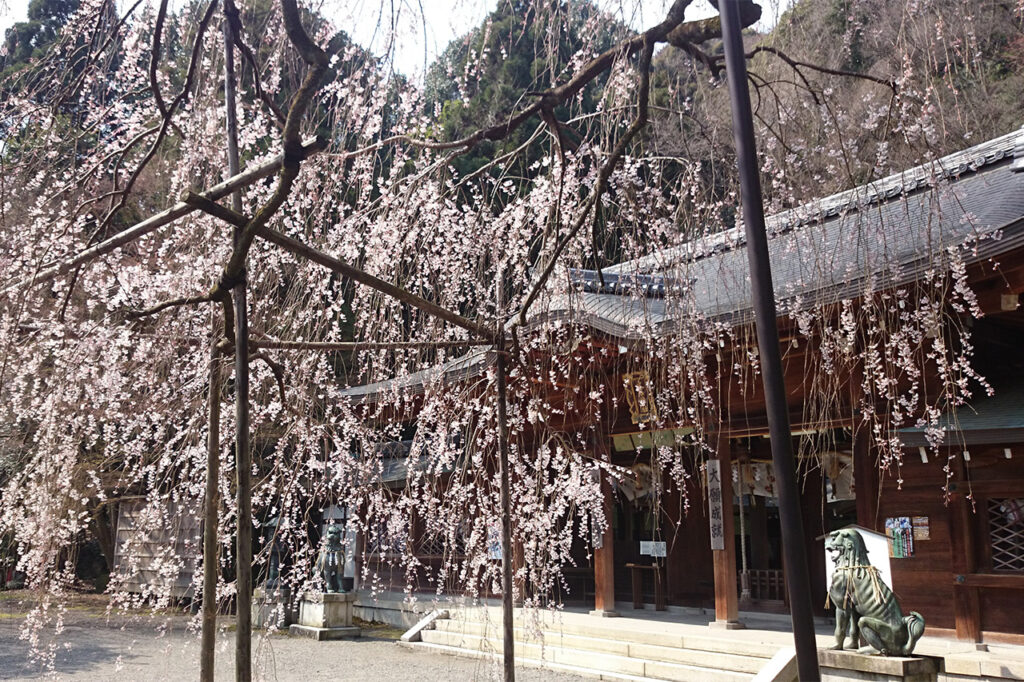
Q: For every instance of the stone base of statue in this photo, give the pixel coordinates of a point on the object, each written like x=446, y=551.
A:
x=273, y=606
x=841, y=666
x=325, y=615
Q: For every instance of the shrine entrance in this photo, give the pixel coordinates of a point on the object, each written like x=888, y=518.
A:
x=639, y=551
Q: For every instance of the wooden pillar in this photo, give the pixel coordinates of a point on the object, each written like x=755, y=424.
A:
x=966, y=602
x=812, y=506
x=726, y=599
x=604, y=556
x=865, y=478
x=760, y=554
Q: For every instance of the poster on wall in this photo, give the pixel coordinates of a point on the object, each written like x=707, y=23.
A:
x=494, y=542
x=900, y=532
x=922, y=528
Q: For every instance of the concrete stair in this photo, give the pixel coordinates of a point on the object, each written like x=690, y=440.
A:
x=614, y=649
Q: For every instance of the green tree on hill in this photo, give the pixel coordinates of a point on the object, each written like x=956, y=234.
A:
x=520, y=48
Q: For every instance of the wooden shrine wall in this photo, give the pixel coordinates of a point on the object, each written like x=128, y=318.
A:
x=950, y=578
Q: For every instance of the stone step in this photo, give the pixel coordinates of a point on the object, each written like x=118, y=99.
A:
x=619, y=646
x=637, y=632
x=528, y=662
x=596, y=660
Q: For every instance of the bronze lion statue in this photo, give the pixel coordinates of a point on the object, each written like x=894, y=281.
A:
x=865, y=606
x=330, y=564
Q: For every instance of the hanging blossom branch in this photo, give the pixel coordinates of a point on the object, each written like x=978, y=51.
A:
x=602, y=180
x=671, y=30
x=124, y=192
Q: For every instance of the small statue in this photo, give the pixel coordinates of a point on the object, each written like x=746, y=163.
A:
x=865, y=606
x=277, y=553
x=331, y=562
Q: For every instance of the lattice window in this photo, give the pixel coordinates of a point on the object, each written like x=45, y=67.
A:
x=384, y=541
x=1006, y=533
x=439, y=544
x=432, y=544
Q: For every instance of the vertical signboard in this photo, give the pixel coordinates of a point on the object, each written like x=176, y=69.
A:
x=715, y=504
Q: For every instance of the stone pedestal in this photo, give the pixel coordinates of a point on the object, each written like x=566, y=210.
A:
x=604, y=613
x=273, y=607
x=848, y=665
x=727, y=625
x=325, y=615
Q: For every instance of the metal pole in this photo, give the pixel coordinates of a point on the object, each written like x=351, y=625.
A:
x=243, y=462
x=797, y=576
x=210, y=522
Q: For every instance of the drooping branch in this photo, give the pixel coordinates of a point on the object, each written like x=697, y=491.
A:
x=154, y=60
x=168, y=115
x=247, y=53
x=671, y=30
x=277, y=369
x=643, y=95
x=797, y=65
x=50, y=271
x=330, y=262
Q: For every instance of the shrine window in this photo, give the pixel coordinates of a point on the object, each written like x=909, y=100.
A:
x=1006, y=533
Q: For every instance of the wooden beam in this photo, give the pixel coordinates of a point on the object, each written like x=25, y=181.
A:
x=328, y=261
x=604, y=555
x=995, y=581
x=211, y=515
x=865, y=478
x=354, y=346
x=962, y=559
x=726, y=598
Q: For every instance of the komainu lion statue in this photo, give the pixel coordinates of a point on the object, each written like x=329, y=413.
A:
x=865, y=606
x=330, y=564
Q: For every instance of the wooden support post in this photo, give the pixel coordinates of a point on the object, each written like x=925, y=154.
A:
x=604, y=555
x=243, y=457
x=726, y=599
x=966, y=601
x=507, y=587
x=865, y=478
x=211, y=563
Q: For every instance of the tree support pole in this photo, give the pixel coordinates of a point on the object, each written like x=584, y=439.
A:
x=797, y=575
x=243, y=462
x=211, y=563
x=508, y=638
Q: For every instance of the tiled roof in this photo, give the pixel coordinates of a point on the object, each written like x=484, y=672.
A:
x=872, y=237
x=880, y=235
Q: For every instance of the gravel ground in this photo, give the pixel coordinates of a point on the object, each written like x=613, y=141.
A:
x=93, y=647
